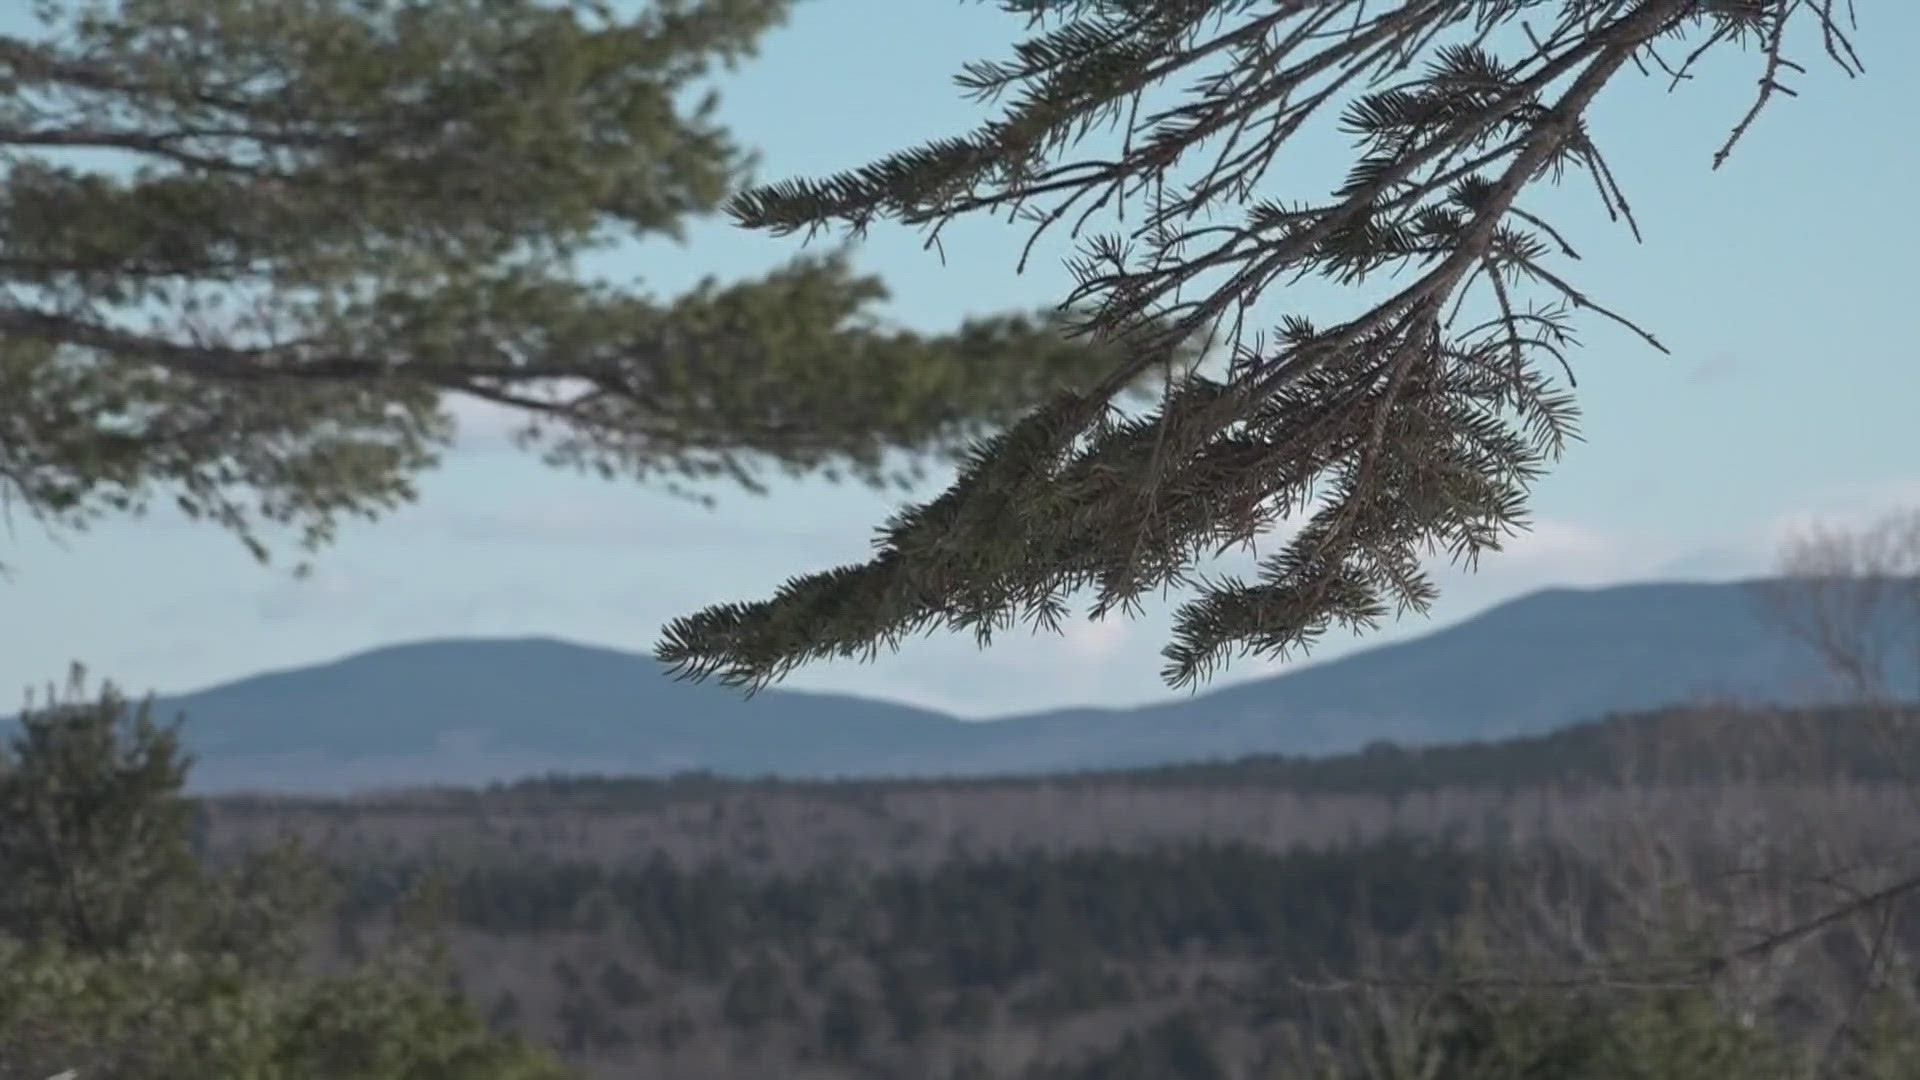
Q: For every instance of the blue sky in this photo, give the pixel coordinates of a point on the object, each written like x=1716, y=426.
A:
x=1781, y=283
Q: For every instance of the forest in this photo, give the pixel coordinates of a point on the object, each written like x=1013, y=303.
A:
x=1198, y=921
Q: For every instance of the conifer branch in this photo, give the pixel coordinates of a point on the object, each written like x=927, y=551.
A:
x=340, y=216
x=1421, y=424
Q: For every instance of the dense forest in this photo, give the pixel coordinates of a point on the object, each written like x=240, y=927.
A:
x=1191, y=922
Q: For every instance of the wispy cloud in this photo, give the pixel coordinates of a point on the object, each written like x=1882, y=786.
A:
x=1088, y=639
x=1560, y=552
x=1846, y=506
x=1566, y=545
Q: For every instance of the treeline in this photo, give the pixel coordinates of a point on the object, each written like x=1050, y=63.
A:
x=971, y=922
x=634, y=942
x=1701, y=743
x=623, y=923
x=1213, y=961
x=1694, y=744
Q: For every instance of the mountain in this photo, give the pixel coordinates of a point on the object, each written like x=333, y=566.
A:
x=1528, y=666
x=466, y=711
x=472, y=711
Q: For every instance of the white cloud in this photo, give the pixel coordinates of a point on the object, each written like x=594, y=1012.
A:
x=1088, y=639
x=1559, y=552
x=1845, y=506
x=1563, y=542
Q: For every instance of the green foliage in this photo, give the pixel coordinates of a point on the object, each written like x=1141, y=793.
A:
x=147, y=1013
x=1632, y=1035
x=328, y=216
x=93, y=848
x=120, y=957
x=160, y=1015
x=987, y=923
x=1414, y=427
x=1885, y=1043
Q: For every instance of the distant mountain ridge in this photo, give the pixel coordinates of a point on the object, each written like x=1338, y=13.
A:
x=475, y=711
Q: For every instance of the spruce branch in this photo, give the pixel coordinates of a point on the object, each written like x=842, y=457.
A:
x=1421, y=422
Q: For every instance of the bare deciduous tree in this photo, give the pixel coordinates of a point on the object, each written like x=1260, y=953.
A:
x=1853, y=596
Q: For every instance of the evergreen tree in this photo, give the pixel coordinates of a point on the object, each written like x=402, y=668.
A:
x=121, y=957
x=1415, y=426
x=93, y=847
x=328, y=216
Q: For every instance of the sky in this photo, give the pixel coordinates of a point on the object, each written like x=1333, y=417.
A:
x=1781, y=283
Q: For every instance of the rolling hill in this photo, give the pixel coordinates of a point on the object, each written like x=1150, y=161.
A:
x=457, y=712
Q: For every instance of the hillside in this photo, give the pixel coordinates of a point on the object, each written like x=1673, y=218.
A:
x=464, y=712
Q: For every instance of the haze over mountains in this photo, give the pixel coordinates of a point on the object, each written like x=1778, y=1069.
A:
x=461, y=712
